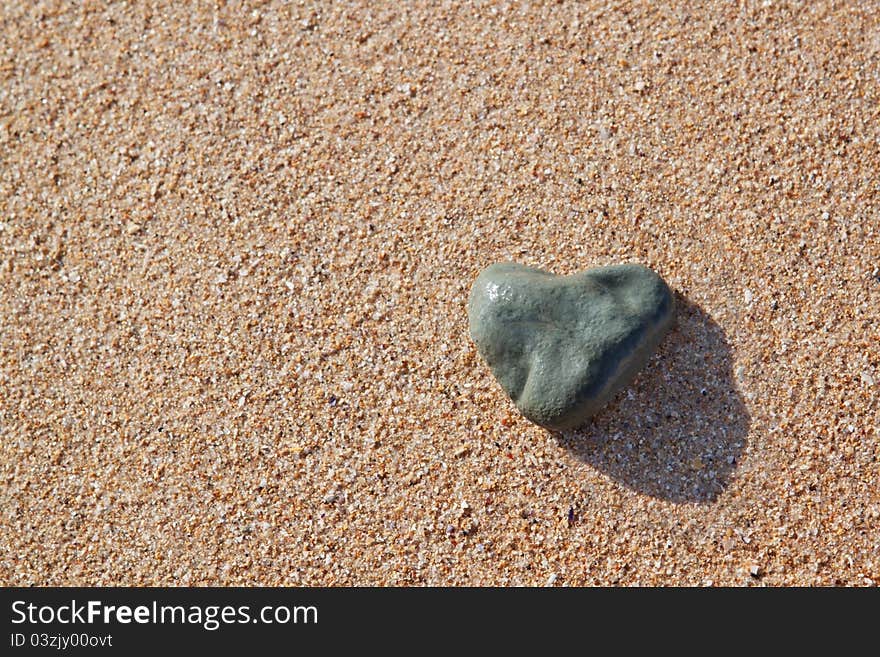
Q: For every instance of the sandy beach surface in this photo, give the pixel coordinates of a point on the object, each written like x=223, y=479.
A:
x=236, y=244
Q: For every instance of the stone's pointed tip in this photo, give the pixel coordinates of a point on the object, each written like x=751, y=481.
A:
x=561, y=346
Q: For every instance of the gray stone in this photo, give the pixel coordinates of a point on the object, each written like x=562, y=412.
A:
x=561, y=346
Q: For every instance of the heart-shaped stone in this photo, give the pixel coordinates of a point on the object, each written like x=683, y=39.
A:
x=561, y=346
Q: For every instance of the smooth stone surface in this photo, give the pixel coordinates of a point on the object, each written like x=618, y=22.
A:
x=561, y=346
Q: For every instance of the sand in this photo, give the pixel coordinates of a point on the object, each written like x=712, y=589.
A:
x=235, y=252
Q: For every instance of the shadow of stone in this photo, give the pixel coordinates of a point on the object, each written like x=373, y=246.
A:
x=677, y=432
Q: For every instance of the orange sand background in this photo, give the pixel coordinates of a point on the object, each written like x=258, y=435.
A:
x=236, y=243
